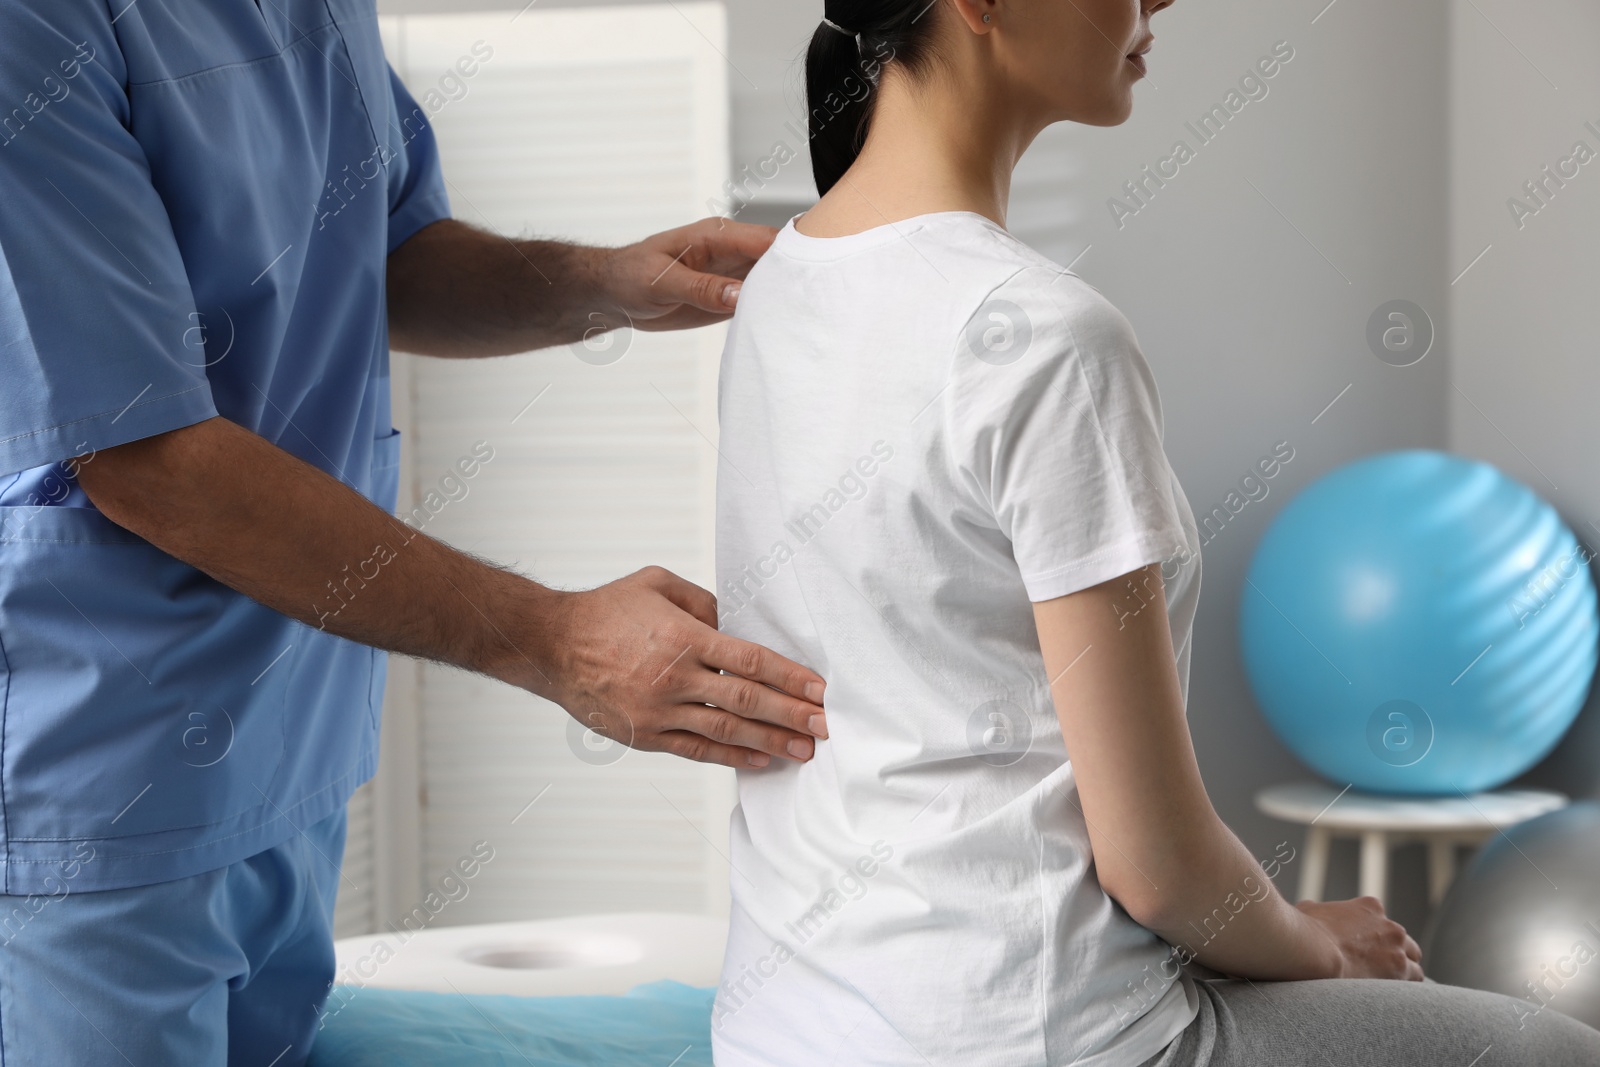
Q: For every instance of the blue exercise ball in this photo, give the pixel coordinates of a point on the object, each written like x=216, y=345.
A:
x=1419, y=623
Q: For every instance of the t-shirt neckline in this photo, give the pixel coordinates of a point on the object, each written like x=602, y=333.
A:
x=803, y=246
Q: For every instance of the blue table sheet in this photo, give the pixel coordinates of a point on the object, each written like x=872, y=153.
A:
x=650, y=1026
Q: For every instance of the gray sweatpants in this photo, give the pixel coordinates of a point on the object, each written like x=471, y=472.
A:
x=1355, y=1022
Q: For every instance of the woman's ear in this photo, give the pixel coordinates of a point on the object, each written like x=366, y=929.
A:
x=980, y=16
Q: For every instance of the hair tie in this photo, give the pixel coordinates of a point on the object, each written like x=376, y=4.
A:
x=836, y=28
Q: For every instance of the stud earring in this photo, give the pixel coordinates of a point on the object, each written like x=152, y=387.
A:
x=986, y=18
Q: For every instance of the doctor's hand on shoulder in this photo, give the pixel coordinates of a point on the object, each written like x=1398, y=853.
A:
x=638, y=660
x=444, y=282
x=686, y=277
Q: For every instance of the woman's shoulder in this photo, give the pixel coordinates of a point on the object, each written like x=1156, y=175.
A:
x=1023, y=303
x=1007, y=282
x=1035, y=331
x=1052, y=286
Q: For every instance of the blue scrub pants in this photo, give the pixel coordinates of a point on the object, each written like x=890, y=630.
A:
x=227, y=967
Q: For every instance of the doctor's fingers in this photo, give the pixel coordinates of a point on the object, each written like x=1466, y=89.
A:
x=795, y=692
x=712, y=735
x=682, y=593
x=743, y=713
x=712, y=294
x=702, y=749
x=719, y=245
x=720, y=255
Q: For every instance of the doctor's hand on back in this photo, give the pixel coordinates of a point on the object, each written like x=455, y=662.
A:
x=639, y=660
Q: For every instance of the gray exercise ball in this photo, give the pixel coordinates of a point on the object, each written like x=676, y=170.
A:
x=1523, y=918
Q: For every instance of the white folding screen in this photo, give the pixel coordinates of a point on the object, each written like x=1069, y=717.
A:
x=601, y=126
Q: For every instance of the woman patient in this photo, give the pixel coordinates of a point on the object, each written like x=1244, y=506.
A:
x=943, y=487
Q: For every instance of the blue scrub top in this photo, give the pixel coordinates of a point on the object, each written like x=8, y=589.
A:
x=197, y=200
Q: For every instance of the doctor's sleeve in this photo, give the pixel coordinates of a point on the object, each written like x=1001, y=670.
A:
x=417, y=194
x=95, y=303
x=1060, y=439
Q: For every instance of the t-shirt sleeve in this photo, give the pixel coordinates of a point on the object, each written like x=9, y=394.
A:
x=1058, y=428
x=95, y=304
x=417, y=195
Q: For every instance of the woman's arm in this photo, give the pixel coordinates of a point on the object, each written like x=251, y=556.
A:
x=1159, y=848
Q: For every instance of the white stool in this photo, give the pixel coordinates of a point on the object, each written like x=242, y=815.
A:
x=1381, y=822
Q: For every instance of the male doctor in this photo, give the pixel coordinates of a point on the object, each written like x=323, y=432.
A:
x=215, y=217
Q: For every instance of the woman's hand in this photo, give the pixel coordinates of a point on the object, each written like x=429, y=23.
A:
x=1370, y=944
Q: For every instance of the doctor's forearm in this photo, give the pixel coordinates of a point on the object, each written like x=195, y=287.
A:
x=639, y=659
x=462, y=292
x=289, y=536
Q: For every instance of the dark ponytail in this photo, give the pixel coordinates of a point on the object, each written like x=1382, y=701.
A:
x=846, y=58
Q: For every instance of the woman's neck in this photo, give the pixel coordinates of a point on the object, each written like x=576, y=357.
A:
x=930, y=148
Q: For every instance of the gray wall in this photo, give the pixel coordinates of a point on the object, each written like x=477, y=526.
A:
x=1374, y=169
x=1527, y=359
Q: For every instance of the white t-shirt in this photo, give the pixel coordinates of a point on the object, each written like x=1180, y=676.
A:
x=924, y=427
